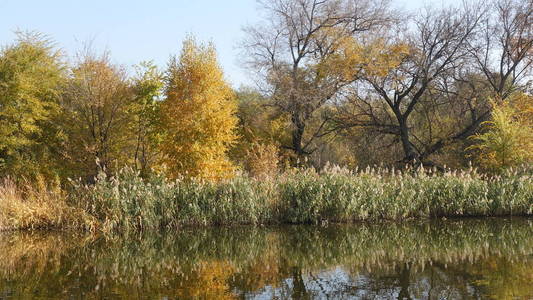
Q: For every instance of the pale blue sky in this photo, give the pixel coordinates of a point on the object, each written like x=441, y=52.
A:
x=136, y=30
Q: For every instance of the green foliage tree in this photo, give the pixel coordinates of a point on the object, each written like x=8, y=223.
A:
x=31, y=76
x=96, y=119
x=147, y=88
x=262, y=131
x=508, y=140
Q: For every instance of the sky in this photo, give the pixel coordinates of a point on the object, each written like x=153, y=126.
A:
x=135, y=31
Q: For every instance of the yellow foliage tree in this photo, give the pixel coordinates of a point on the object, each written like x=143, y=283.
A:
x=509, y=138
x=376, y=58
x=198, y=115
x=95, y=117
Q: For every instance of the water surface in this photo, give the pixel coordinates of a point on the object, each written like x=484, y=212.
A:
x=452, y=259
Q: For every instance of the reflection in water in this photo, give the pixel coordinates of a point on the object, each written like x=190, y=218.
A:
x=455, y=259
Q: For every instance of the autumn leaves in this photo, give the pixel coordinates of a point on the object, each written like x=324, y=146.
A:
x=198, y=115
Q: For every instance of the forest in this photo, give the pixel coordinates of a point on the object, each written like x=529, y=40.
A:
x=358, y=112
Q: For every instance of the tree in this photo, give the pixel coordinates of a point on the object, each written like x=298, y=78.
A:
x=508, y=140
x=144, y=110
x=31, y=76
x=388, y=101
x=198, y=115
x=503, y=49
x=96, y=119
x=290, y=52
x=261, y=130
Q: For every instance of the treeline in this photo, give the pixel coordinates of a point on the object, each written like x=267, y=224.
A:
x=338, y=82
x=76, y=120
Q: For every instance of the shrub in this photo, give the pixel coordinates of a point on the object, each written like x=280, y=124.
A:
x=262, y=161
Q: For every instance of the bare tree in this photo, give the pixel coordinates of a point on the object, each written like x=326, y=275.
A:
x=503, y=50
x=287, y=50
x=438, y=95
x=437, y=48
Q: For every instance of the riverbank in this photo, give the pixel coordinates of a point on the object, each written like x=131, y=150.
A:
x=128, y=202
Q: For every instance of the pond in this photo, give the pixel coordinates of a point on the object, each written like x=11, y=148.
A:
x=440, y=259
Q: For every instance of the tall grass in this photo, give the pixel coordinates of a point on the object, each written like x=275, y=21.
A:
x=37, y=206
x=376, y=194
x=126, y=201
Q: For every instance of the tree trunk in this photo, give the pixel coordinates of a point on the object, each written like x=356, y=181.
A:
x=297, y=136
x=410, y=153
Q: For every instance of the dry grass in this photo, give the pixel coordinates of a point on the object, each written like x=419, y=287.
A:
x=37, y=206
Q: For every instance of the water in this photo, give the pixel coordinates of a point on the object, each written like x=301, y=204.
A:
x=453, y=259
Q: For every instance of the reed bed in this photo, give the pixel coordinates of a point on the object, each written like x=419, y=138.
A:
x=127, y=201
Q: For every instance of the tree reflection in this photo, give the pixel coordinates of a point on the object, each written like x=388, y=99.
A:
x=459, y=259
